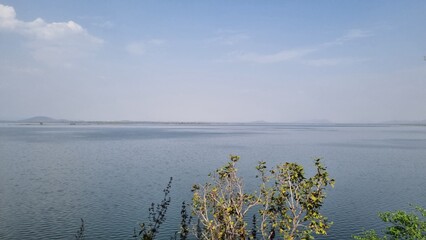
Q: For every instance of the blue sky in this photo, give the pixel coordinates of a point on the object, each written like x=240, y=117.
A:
x=278, y=61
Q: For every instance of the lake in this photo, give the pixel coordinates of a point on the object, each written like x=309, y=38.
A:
x=53, y=175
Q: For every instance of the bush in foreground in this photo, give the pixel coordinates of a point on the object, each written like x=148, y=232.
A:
x=287, y=203
x=403, y=225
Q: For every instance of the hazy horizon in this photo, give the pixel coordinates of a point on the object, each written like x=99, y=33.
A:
x=48, y=119
x=213, y=61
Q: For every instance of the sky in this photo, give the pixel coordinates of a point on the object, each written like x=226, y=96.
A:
x=215, y=61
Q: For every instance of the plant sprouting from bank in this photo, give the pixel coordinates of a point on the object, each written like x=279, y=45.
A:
x=185, y=224
x=80, y=233
x=157, y=216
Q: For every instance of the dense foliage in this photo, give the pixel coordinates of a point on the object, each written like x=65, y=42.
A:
x=287, y=202
x=403, y=225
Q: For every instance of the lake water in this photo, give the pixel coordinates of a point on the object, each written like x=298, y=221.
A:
x=53, y=175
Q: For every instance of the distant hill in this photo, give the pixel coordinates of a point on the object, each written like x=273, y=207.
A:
x=42, y=119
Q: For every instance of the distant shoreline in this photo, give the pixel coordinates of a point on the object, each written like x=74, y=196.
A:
x=129, y=123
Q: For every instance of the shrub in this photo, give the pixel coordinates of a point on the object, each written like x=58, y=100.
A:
x=288, y=203
x=410, y=226
x=157, y=216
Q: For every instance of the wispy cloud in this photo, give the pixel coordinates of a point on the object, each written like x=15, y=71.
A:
x=351, y=35
x=21, y=70
x=141, y=47
x=50, y=42
x=135, y=48
x=302, y=54
x=104, y=24
x=281, y=56
x=98, y=21
x=323, y=62
x=227, y=37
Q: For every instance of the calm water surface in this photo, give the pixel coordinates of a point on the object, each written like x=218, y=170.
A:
x=53, y=175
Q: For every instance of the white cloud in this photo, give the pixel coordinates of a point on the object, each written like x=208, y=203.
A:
x=50, y=31
x=41, y=30
x=49, y=42
x=7, y=17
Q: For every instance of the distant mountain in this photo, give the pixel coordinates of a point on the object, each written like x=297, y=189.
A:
x=42, y=119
